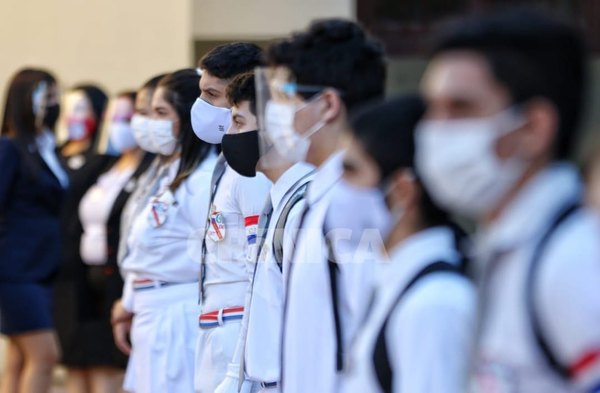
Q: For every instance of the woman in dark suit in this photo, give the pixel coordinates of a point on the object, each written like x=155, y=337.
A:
x=94, y=362
x=32, y=185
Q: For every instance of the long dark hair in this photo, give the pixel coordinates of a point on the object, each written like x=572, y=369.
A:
x=19, y=120
x=181, y=91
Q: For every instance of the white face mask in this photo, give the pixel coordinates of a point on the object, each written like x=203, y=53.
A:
x=162, y=140
x=457, y=162
x=279, y=125
x=370, y=215
x=121, y=136
x=139, y=125
x=210, y=122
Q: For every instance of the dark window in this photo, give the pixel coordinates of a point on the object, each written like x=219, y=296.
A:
x=407, y=26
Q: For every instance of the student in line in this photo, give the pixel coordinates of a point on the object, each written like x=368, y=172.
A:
x=161, y=284
x=419, y=332
x=505, y=93
x=248, y=150
x=328, y=70
x=229, y=243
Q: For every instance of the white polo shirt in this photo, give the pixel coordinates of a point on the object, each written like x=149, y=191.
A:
x=239, y=200
x=163, y=241
x=430, y=330
x=566, y=298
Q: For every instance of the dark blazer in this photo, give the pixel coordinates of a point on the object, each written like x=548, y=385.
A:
x=30, y=203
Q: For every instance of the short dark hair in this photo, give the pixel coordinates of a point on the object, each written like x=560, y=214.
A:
x=533, y=55
x=181, y=91
x=335, y=53
x=241, y=89
x=229, y=60
x=386, y=131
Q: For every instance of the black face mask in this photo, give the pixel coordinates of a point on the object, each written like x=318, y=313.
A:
x=51, y=116
x=241, y=152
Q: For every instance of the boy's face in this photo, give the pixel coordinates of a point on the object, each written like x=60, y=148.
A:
x=243, y=120
x=213, y=90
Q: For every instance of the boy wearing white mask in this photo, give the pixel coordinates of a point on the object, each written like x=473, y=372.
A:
x=231, y=225
x=505, y=93
x=318, y=77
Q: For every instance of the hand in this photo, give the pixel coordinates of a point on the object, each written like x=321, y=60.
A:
x=121, y=333
x=121, y=322
x=119, y=313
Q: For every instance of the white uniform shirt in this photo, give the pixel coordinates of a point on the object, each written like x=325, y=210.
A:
x=94, y=211
x=309, y=351
x=567, y=297
x=164, y=242
x=264, y=303
x=239, y=200
x=429, y=332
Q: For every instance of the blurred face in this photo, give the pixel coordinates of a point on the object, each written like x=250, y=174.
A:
x=123, y=109
x=359, y=168
x=143, y=102
x=78, y=107
x=213, y=90
x=460, y=85
x=243, y=120
x=163, y=110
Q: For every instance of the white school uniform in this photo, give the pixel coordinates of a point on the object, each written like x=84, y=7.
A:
x=162, y=269
x=566, y=296
x=260, y=340
x=309, y=341
x=430, y=330
x=146, y=185
x=230, y=250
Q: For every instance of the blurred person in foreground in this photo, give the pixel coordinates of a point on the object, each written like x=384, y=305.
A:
x=505, y=93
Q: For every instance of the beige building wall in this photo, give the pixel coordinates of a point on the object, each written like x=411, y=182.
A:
x=261, y=19
x=119, y=44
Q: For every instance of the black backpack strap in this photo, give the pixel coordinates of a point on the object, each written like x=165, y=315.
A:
x=296, y=197
x=540, y=338
x=381, y=359
x=333, y=268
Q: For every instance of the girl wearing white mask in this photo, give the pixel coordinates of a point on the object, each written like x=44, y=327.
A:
x=417, y=335
x=162, y=268
x=96, y=363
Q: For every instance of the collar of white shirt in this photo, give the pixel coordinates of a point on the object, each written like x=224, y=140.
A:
x=284, y=184
x=417, y=251
x=532, y=210
x=325, y=177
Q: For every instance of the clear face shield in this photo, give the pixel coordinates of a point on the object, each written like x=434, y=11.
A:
x=284, y=136
x=273, y=119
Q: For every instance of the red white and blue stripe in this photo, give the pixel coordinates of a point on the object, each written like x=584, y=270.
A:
x=217, y=318
x=143, y=284
x=251, y=224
